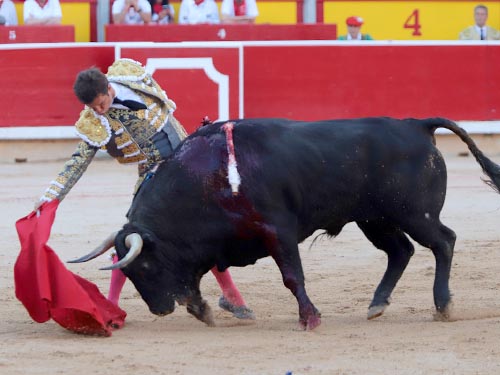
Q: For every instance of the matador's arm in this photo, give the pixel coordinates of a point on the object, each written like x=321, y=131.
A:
x=72, y=171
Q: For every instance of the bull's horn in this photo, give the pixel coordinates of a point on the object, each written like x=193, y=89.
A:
x=134, y=243
x=101, y=249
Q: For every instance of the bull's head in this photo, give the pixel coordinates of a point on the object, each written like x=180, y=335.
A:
x=159, y=272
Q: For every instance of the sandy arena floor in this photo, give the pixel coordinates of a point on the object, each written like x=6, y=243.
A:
x=341, y=276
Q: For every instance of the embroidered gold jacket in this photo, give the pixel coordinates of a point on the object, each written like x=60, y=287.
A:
x=126, y=135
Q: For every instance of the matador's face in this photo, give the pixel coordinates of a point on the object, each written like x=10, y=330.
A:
x=102, y=102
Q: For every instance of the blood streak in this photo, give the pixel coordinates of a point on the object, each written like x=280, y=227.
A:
x=232, y=166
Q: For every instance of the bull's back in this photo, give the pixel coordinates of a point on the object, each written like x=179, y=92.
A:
x=307, y=172
x=343, y=169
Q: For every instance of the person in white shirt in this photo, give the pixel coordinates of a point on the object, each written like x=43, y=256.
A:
x=198, y=11
x=8, y=12
x=42, y=12
x=480, y=31
x=239, y=11
x=131, y=12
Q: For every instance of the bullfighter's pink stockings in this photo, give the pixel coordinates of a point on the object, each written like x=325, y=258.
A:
x=117, y=282
x=229, y=290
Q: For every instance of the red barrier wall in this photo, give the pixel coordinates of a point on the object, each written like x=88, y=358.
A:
x=37, y=83
x=182, y=33
x=461, y=82
x=37, y=34
x=308, y=80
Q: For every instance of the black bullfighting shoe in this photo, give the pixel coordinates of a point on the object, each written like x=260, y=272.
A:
x=240, y=312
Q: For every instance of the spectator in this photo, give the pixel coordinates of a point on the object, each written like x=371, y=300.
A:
x=480, y=31
x=131, y=12
x=238, y=11
x=354, y=30
x=162, y=12
x=42, y=12
x=198, y=11
x=8, y=13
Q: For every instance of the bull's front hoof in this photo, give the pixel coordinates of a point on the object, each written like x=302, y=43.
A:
x=202, y=312
x=376, y=311
x=208, y=319
x=312, y=322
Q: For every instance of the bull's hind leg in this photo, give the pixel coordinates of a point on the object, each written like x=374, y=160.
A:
x=432, y=234
x=399, y=250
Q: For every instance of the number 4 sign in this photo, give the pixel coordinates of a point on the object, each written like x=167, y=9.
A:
x=413, y=23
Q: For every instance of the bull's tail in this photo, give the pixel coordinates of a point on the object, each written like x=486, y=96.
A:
x=491, y=169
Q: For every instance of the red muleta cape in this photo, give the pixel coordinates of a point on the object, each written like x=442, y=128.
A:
x=48, y=290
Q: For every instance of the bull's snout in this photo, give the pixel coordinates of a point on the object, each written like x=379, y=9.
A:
x=167, y=307
x=162, y=311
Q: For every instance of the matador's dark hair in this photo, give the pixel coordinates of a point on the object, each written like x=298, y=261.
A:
x=89, y=84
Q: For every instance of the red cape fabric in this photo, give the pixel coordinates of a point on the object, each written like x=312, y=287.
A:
x=48, y=290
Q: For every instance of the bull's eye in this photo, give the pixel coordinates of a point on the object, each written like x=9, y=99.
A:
x=147, y=270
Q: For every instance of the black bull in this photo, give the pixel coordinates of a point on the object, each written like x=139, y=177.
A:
x=296, y=177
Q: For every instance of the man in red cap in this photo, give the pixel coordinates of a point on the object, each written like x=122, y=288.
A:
x=354, y=24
